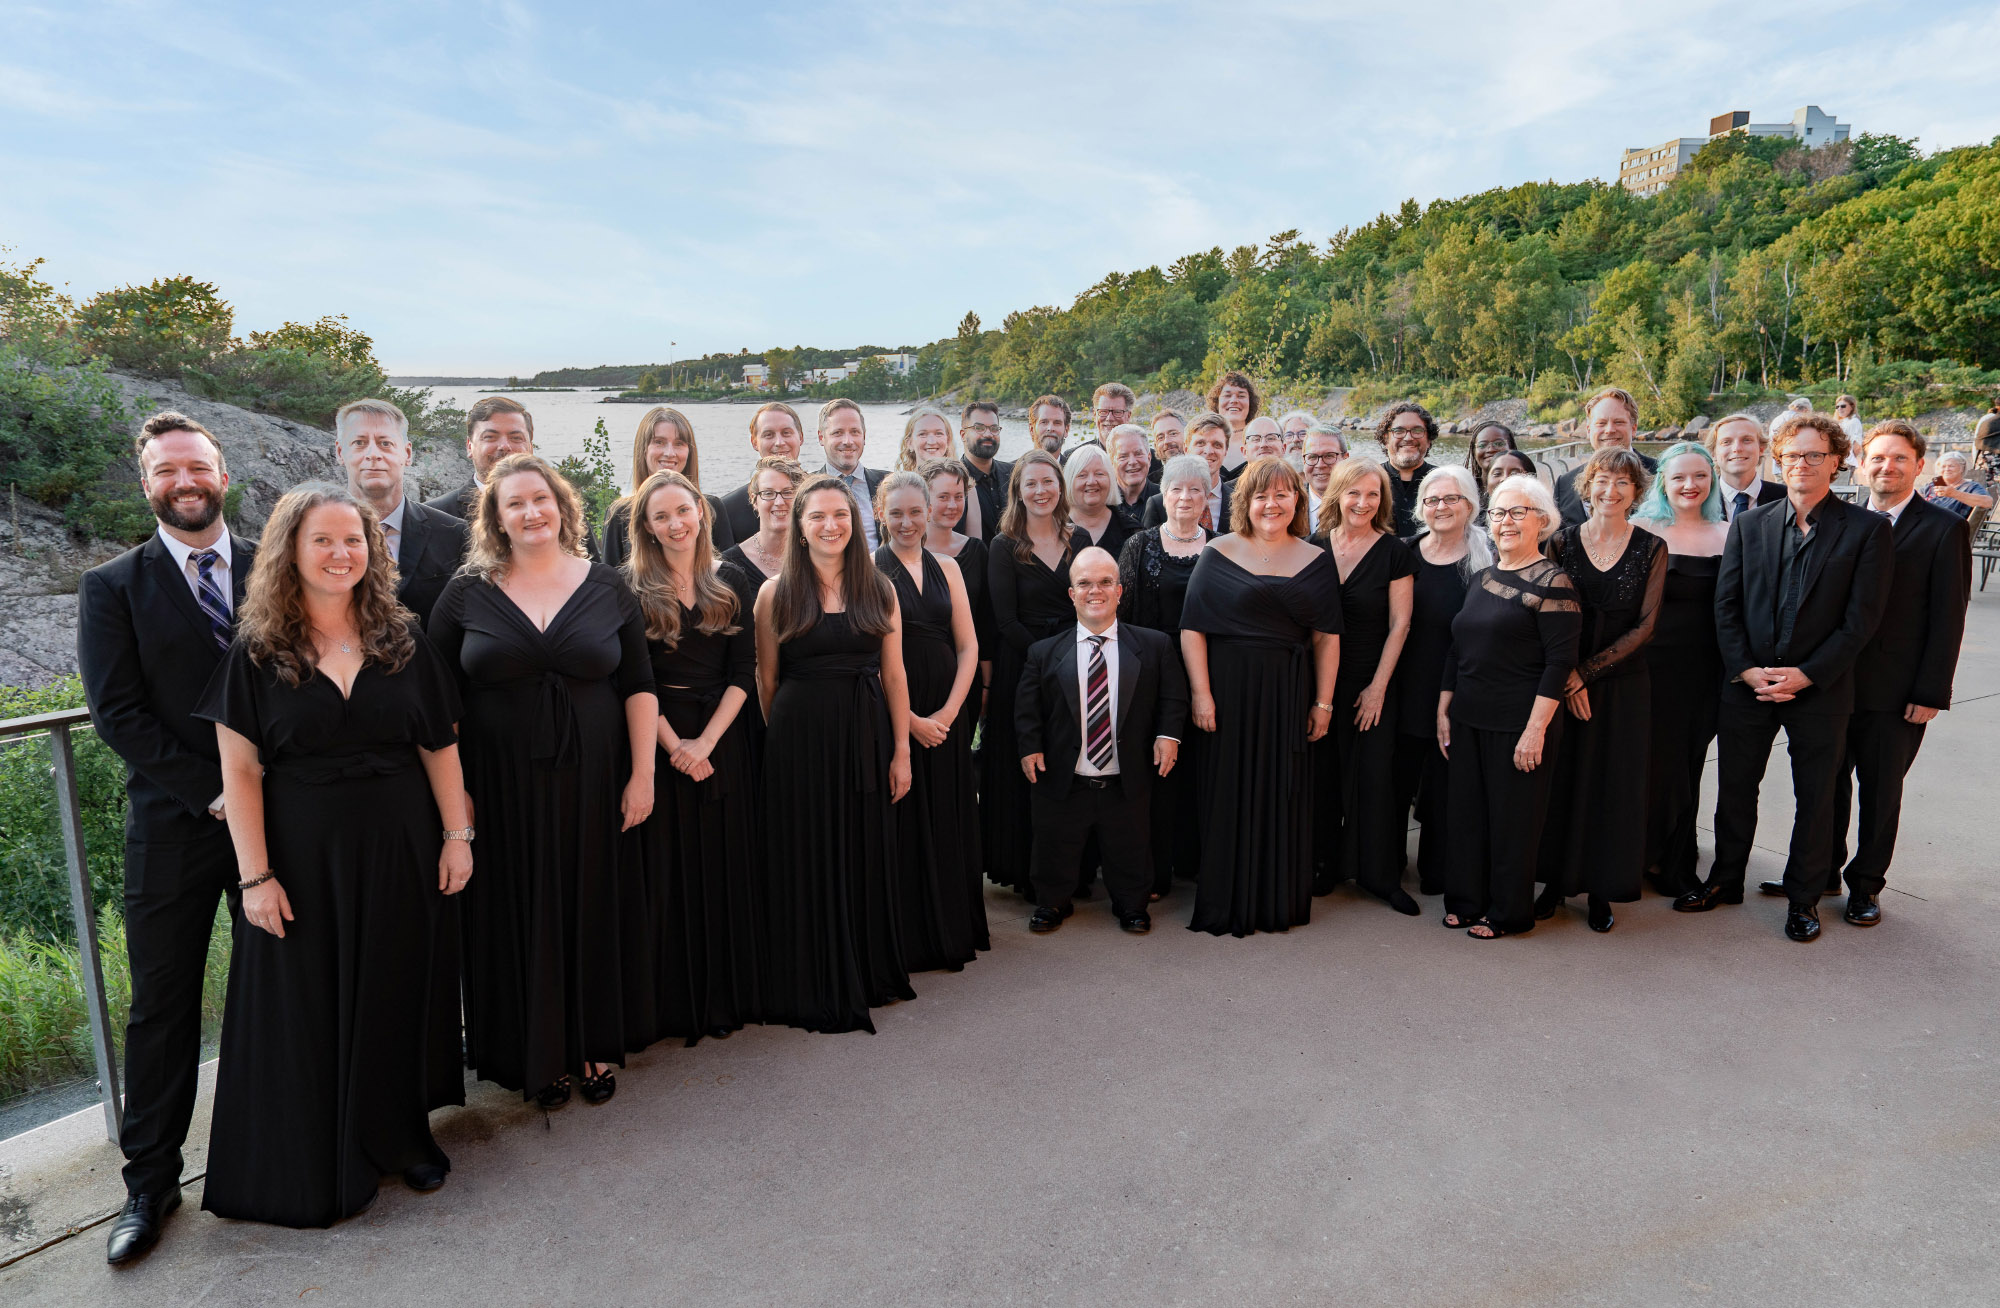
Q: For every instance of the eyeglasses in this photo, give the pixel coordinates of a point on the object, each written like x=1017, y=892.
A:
x=1519, y=513
x=1439, y=501
x=1111, y=415
x=1088, y=586
x=983, y=428
x=766, y=496
x=1315, y=459
x=1811, y=458
x=1410, y=431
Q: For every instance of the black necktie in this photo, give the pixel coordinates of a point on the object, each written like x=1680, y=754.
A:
x=1742, y=504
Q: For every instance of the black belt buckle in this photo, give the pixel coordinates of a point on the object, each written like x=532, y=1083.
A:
x=1095, y=783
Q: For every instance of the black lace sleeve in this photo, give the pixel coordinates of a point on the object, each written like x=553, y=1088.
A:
x=1559, y=619
x=1130, y=579
x=1651, y=558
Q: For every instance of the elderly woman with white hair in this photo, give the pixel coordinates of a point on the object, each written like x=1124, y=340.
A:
x=1449, y=552
x=1513, y=646
x=1088, y=479
x=1133, y=471
x=1949, y=489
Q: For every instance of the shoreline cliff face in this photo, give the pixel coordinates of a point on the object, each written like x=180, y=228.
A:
x=42, y=561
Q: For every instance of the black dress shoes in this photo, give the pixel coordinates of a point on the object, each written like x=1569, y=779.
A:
x=137, y=1228
x=1802, y=923
x=1046, y=920
x=425, y=1177
x=1703, y=898
x=1137, y=923
x=1600, y=914
x=1548, y=902
x=1399, y=899
x=1863, y=910
x=1771, y=887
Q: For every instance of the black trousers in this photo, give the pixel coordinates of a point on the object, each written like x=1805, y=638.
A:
x=1881, y=745
x=1423, y=780
x=1745, y=731
x=1122, y=828
x=1496, y=826
x=171, y=890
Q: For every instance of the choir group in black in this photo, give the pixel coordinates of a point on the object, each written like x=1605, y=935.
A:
x=751, y=758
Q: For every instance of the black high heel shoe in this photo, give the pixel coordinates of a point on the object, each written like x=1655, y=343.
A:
x=1548, y=902
x=1600, y=915
x=553, y=1095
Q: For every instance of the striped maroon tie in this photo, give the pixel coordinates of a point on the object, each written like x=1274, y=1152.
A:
x=1097, y=709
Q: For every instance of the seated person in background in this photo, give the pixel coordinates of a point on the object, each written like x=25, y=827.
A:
x=1950, y=489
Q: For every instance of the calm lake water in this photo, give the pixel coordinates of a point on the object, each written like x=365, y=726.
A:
x=563, y=419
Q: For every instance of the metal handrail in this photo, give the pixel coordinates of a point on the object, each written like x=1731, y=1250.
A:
x=69, y=816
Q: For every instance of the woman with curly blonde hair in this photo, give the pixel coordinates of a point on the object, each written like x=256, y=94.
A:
x=334, y=719
x=560, y=734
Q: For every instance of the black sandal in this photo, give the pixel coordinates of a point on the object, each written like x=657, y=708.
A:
x=1453, y=922
x=1492, y=932
x=553, y=1095
x=599, y=1089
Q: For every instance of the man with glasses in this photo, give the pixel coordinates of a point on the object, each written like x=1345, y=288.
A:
x=1110, y=408
x=979, y=437
x=1407, y=432
x=775, y=433
x=1613, y=416
x=1803, y=586
x=1324, y=449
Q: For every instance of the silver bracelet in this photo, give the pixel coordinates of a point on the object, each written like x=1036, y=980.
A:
x=257, y=881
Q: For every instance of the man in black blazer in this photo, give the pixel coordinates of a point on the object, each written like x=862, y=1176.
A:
x=979, y=437
x=495, y=427
x=1738, y=443
x=152, y=625
x=843, y=434
x=1903, y=676
x=371, y=438
x=1100, y=713
x=1613, y=417
x=1209, y=437
x=1802, y=588
x=775, y=433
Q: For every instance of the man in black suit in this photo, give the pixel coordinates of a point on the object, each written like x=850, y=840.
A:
x=152, y=625
x=371, y=438
x=843, y=434
x=1903, y=676
x=495, y=427
x=1407, y=432
x=1613, y=418
x=1738, y=443
x=1100, y=712
x=979, y=437
x=775, y=433
x=1209, y=437
x=1803, y=585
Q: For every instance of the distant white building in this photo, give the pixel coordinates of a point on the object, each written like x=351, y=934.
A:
x=1649, y=169
x=899, y=365
x=829, y=375
x=756, y=376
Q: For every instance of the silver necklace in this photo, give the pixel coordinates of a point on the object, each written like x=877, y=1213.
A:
x=1171, y=535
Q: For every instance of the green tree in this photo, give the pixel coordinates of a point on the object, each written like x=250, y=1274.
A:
x=158, y=329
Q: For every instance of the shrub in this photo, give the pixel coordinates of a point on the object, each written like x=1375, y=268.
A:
x=593, y=474
x=61, y=427
x=34, y=877
x=158, y=329
x=293, y=383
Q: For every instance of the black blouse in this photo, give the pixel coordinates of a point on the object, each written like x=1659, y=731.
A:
x=1439, y=593
x=1620, y=606
x=1155, y=582
x=705, y=662
x=1030, y=599
x=1512, y=643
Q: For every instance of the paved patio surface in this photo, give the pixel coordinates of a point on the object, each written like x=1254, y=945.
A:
x=1368, y=1110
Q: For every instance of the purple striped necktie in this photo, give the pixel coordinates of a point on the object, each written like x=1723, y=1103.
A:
x=1097, y=710
x=209, y=596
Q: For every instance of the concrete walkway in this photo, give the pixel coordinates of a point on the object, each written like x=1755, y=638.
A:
x=1369, y=1110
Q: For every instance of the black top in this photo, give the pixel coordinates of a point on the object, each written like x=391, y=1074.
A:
x=616, y=544
x=1914, y=653
x=1403, y=497
x=707, y=663
x=1620, y=606
x=1513, y=642
x=1226, y=601
x=1438, y=595
x=1155, y=582
x=991, y=488
x=1364, y=606
x=1030, y=599
x=926, y=613
x=1116, y=532
x=1684, y=637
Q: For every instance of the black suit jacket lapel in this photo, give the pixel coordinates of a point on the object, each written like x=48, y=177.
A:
x=1832, y=521
x=1065, y=669
x=180, y=595
x=1128, y=680
x=416, y=537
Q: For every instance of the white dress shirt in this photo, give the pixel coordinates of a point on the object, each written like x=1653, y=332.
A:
x=857, y=481
x=1729, y=493
x=392, y=530
x=1312, y=510
x=1084, y=767
x=1895, y=511
x=1217, y=523
x=183, y=555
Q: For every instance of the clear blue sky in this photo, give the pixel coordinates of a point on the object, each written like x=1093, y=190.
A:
x=504, y=187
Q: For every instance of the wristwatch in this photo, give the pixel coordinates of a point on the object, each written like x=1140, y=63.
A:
x=1324, y=708
x=463, y=833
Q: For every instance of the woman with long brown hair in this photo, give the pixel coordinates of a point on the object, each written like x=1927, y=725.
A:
x=560, y=732
x=1027, y=574
x=664, y=442
x=836, y=759
x=340, y=768
x=701, y=842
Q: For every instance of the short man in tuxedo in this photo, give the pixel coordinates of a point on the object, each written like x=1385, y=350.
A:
x=1324, y=449
x=152, y=625
x=1612, y=416
x=1903, y=677
x=1100, y=713
x=1803, y=585
x=775, y=433
x=371, y=438
x=979, y=437
x=1407, y=432
x=1208, y=436
x=1048, y=423
x=843, y=434
x=495, y=427
x=1738, y=443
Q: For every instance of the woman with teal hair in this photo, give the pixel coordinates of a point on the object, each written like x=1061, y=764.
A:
x=1684, y=507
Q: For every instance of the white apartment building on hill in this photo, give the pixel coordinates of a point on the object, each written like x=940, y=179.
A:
x=1648, y=169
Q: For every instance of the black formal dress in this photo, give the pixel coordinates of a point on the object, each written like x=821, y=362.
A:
x=831, y=867
x=556, y=927
x=1594, y=841
x=1685, y=667
x=702, y=842
x=616, y=541
x=1155, y=587
x=146, y=650
x=1030, y=602
x=940, y=896
x=1422, y=771
x=973, y=563
x=322, y=1084
x=1513, y=643
x=1357, y=828
x=1256, y=779
x=1116, y=532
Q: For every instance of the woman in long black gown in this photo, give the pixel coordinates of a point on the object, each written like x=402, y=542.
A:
x=1260, y=633
x=941, y=898
x=1154, y=570
x=1595, y=840
x=1684, y=660
x=1028, y=584
x=664, y=443
x=340, y=768
x=559, y=736
x=836, y=761
x=701, y=842
x=949, y=484
x=1357, y=829
x=1449, y=552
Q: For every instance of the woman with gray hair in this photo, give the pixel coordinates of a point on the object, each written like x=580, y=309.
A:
x=1449, y=552
x=1950, y=489
x=1087, y=481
